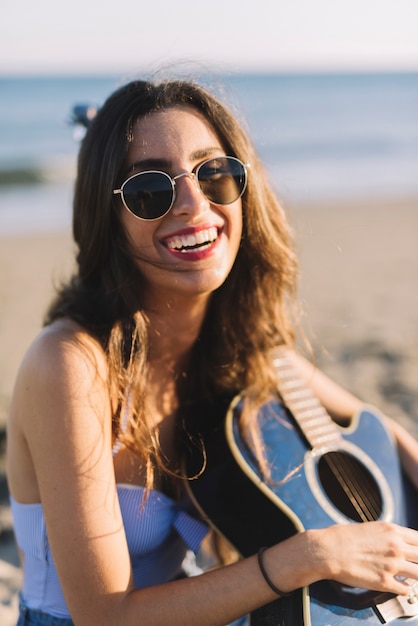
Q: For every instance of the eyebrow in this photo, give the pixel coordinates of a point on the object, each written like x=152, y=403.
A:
x=166, y=164
x=149, y=164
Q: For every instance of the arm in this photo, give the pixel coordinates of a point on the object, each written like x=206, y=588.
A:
x=61, y=410
x=408, y=450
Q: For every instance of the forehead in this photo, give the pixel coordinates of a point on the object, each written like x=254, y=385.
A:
x=178, y=131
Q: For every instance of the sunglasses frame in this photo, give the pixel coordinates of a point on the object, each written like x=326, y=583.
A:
x=194, y=174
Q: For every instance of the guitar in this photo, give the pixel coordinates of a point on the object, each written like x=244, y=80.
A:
x=320, y=474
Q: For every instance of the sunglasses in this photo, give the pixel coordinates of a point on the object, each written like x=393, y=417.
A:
x=150, y=195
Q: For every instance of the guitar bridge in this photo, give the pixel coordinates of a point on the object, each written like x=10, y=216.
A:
x=399, y=606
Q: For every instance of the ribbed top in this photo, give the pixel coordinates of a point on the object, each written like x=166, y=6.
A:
x=158, y=534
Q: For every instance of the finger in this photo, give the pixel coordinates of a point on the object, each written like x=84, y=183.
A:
x=409, y=535
x=404, y=586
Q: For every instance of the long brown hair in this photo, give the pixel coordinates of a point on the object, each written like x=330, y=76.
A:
x=250, y=314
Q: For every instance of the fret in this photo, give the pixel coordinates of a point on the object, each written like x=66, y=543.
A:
x=310, y=416
x=314, y=422
x=300, y=393
x=290, y=383
x=314, y=414
x=318, y=436
x=299, y=404
x=319, y=441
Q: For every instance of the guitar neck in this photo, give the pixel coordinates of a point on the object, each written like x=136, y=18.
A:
x=313, y=420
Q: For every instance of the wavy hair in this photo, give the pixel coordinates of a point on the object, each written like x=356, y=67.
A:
x=248, y=316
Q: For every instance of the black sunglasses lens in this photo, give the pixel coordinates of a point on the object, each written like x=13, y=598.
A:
x=148, y=194
x=222, y=179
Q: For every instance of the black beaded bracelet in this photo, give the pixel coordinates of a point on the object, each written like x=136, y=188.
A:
x=266, y=576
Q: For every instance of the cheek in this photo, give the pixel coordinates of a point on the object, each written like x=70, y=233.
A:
x=139, y=234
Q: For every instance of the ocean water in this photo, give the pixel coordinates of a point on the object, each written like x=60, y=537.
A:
x=322, y=137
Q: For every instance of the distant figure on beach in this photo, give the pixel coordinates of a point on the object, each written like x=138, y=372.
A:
x=183, y=300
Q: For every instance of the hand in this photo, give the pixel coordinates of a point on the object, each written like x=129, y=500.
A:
x=373, y=555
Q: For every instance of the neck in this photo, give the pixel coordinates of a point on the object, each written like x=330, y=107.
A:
x=174, y=328
x=173, y=331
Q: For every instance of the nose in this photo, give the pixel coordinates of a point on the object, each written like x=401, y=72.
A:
x=189, y=196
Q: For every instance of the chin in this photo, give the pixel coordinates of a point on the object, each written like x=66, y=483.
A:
x=205, y=283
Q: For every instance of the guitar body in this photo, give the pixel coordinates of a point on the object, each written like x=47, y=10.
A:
x=251, y=510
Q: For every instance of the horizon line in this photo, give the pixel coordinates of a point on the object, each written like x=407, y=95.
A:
x=251, y=70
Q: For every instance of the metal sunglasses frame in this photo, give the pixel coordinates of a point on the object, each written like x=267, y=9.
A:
x=194, y=175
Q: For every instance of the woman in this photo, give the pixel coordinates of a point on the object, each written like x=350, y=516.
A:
x=184, y=287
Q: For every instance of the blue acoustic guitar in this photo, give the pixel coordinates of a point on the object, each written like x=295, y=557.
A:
x=320, y=474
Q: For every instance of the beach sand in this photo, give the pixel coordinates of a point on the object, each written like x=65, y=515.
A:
x=359, y=271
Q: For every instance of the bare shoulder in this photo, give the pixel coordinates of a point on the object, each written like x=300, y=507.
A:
x=60, y=401
x=63, y=345
x=64, y=366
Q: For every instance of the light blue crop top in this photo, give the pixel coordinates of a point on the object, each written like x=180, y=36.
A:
x=158, y=535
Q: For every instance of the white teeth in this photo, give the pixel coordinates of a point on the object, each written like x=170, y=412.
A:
x=192, y=240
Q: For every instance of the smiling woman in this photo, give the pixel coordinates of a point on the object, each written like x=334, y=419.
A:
x=182, y=297
x=182, y=140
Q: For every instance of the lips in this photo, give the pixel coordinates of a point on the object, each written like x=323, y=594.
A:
x=193, y=240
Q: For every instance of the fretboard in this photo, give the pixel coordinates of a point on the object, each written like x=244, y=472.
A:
x=315, y=423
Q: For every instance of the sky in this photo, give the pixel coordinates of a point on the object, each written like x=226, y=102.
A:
x=82, y=36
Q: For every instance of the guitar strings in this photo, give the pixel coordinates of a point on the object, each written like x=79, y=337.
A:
x=362, y=499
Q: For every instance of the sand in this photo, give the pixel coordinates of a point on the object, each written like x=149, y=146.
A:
x=30, y=265
x=359, y=289
x=359, y=271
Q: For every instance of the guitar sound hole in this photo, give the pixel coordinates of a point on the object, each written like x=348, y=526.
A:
x=350, y=486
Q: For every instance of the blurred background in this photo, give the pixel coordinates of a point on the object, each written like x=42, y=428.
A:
x=329, y=89
x=329, y=93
